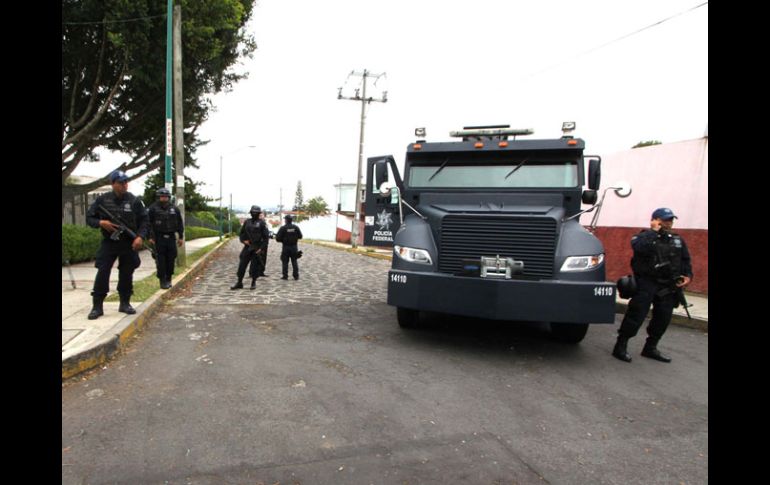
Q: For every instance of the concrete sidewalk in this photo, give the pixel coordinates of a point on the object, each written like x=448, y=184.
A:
x=87, y=343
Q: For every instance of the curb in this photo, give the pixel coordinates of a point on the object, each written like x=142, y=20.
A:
x=371, y=254
x=620, y=307
x=117, y=337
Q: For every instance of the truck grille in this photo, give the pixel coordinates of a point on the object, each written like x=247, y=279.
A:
x=528, y=239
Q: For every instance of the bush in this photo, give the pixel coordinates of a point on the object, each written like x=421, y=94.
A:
x=191, y=233
x=207, y=217
x=79, y=243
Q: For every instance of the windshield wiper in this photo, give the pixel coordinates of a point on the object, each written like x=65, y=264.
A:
x=517, y=167
x=439, y=169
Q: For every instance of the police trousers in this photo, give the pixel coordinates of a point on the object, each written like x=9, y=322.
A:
x=250, y=258
x=289, y=253
x=165, y=251
x=128, y=261
x=648, y=294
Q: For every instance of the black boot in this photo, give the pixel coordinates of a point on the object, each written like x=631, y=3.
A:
x=238, y=285
x=98, y=308
x=620, y=351
x=166, y=284
x=285, y=277
x=125, y=306
x=253, y=284
x=651, y=351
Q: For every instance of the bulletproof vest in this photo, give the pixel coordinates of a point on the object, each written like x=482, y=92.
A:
x=665, y=262
x=253, y=229
x=120, y=208
x=291, y=236
x=164, y=219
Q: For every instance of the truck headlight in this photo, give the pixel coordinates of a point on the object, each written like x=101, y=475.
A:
x=413, y=255
x=582, y=263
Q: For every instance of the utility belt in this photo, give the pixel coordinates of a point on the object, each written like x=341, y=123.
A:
x=168, y=235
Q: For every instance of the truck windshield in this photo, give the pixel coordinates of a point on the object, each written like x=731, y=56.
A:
x=530, y=174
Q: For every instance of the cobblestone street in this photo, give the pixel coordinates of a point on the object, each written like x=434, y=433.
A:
x=326, y=276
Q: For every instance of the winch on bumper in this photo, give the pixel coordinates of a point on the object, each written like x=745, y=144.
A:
x=503, y=299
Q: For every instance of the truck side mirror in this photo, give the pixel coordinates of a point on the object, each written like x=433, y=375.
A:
x=380, y=173
x=589, y=197
x=594, y=173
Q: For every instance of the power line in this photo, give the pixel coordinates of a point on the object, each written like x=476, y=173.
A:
x=114, y=21
x=573, y=57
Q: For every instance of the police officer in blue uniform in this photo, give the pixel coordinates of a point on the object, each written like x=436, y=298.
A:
x=662, y=267
x=254, y=236
x=288, y=235
x=130, y=211
x=165, y=223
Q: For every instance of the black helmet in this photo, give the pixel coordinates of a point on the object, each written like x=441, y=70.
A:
x=255, y=208
x=288, y=218
x=627, y=286
x=163, y=191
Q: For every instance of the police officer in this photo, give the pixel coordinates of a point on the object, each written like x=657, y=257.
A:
x=165, y=223
x=662, y=267
x=288, y=235
x=126, y=210
x=254, y=236
x=263, y=254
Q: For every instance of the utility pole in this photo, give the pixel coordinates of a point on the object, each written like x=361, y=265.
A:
x=364, y=100
x=169, y=80
x=181, y=259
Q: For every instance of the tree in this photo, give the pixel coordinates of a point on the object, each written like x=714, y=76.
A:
x=193, y=201
x=298, y=204
x=113, y=77
x=647, y=143
x=316, y=207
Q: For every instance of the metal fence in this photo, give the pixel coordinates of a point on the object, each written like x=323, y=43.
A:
x=190, y=220
x=74, y=209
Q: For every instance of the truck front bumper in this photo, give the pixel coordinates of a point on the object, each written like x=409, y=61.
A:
x=501, y=299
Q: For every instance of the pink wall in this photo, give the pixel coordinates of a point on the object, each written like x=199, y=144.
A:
x=673, y=175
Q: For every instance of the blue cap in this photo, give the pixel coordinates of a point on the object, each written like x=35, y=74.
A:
x=118, y=176
x=664, y=213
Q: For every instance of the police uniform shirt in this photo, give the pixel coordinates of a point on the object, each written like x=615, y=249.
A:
x=165, y=220
x=128, y=208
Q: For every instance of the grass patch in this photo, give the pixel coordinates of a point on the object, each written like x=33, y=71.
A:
x=145, y=288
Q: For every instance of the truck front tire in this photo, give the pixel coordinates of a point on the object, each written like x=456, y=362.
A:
x=569, y=332
x=407, y=318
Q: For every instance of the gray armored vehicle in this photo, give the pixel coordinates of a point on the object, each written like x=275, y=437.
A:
x=487, y=226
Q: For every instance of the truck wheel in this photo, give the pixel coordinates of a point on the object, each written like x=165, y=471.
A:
x=407, y=318
x=569, y=332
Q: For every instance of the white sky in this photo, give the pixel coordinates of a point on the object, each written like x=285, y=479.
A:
x=448, y=64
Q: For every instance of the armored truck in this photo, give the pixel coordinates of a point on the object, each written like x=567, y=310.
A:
x=487, y=226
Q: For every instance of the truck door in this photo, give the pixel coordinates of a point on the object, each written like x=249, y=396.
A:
x=381, y=213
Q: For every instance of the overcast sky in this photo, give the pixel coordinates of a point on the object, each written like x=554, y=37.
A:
x=448, y=64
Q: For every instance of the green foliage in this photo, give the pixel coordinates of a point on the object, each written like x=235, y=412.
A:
x=114, y=76
x=207, y=217
x=79, y=243
x=298, y=200
x=193, y=201
x=316, y=207
x=191, y=233
x=647, y=143
x=236, y=223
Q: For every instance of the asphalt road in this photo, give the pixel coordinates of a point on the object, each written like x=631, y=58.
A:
x=313, y=382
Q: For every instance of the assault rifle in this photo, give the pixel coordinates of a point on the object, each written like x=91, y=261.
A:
x=123, y=227
x=679, y=298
